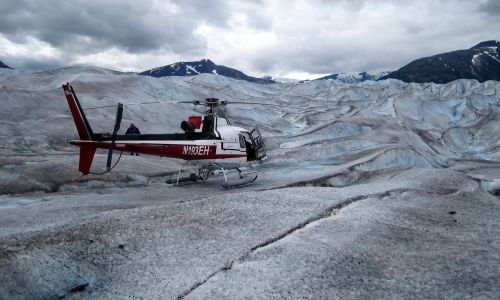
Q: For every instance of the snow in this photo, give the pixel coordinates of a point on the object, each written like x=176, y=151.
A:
x=356, y=77
x=374, y=189
x=493, y=54
x=489, y=51
x=285, y=80
x=191, y=69
x=344, y=256
x=476, y=59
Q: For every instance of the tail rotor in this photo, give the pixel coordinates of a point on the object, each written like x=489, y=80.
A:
x=118, y=120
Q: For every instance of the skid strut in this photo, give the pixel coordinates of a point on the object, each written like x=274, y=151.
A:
x=192, y=177
x=206, y=171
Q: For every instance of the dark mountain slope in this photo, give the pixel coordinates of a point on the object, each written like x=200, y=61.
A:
x=481, y=62
x=2, y=65
x=202, y=66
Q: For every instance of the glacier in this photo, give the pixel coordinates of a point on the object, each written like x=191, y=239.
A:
x=375, y=189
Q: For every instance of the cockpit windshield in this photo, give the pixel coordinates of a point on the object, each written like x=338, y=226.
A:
x=253, y=144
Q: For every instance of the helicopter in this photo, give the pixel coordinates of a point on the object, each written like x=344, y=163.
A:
x=208, y=142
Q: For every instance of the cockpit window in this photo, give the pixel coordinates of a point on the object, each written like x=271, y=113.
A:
x=242, y=140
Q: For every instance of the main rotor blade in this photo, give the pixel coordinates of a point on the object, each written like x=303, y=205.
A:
x=260, y=103
x=221, y=111
x=128, y=104
x=194, y=102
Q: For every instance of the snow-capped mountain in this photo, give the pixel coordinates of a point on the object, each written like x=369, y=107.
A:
x=2, y=65
x=354, y=77
x=481, y=62
x=199, y=67
x=282, y=79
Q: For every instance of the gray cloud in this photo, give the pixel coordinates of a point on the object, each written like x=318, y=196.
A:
x=259, y=37
x=491, y=7
x=32, y=63
x=90, y=26
x=375, y=35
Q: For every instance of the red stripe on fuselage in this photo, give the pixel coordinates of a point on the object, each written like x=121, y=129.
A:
x=186, y=152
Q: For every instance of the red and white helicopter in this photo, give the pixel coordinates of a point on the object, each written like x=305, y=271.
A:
x=208, y=142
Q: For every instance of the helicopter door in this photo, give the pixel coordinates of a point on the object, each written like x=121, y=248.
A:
x=258, y=144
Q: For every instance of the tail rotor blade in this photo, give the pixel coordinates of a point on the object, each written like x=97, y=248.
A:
x=118, y=120
x=110, y=157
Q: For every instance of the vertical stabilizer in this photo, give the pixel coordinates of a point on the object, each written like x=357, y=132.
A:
x=82, y=125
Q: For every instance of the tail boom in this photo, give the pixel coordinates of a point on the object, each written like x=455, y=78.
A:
x=87, y=150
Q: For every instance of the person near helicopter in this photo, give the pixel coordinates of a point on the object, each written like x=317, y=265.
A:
x=132, y=129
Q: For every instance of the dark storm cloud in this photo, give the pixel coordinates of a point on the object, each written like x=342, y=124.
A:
x=491, y=7
x=90, y=26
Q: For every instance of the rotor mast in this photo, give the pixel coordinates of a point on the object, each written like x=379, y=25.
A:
x=210, y=104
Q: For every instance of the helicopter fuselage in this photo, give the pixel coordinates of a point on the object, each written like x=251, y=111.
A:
x=223, y=148
x=206, y=140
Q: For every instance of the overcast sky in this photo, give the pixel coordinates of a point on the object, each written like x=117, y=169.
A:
x=301, y=39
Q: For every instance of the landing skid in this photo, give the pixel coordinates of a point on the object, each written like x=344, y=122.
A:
x=246, y=179
x=191, y=178
x=207, y=171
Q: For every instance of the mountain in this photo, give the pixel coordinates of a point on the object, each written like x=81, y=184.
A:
x=481, y=62
x=199, y=67
x=354, y=77
x=2, y=65
x=282, y=79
